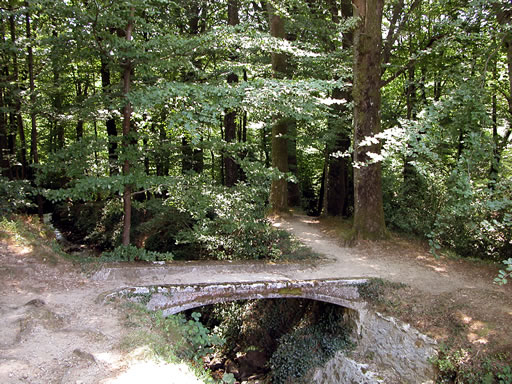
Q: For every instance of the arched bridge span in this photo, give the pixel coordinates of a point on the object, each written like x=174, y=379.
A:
x=175, y=298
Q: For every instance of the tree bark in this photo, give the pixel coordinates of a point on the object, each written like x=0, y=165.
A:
x=338, y=195
x=293, y=187
x=231, y=167
x=279, y=187
x=368, y=205
x=230, y=116
x=30, y=61
x=110, y=123
x=57, y=101
x=18, y=128
x=127, y=113
x=33, y=133
x=4, y=147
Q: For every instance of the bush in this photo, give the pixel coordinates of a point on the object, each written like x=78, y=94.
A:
x=15, y=196
x=132, y=253
x=455, y=366
x=227, y=223
x=191, y=339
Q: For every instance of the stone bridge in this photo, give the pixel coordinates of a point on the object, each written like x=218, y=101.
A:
x=399, y=352
x=175, y=298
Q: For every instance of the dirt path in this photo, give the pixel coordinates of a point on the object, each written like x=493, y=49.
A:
x=54, y=331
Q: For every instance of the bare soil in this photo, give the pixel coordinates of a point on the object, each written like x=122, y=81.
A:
x=54, y=330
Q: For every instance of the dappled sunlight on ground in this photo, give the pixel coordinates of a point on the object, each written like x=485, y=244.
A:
x=155, y=373
x=477, y=331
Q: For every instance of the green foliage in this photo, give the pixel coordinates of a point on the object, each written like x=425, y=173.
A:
x=16, y=196
x=308, y=347
x=132, y=253
x=446, y=195
x=96, y=223
x=455, y=366
x=504, y=274
x=229, y=223
x=173, y=339
x=192, y=340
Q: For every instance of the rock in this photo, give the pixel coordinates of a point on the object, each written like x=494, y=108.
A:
x=36, y=303
x=216, y=363
x=83, y=355
x=388, y=351
x=252, y=362
x=342, y=369
x=231, y=367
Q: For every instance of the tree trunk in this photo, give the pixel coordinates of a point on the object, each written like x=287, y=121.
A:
x=110, y=123
x=231, y=167
x=81, y=95
x=368, y=206
x=230, y=116
x=409, y=173
x=57, y=101
x=30, y=60
x=186, y=156
x=338, y=195
x=33, y=133
x=127, y=141
x=293, y=187
x=279, y=187
x=4, y=147
x=17, y=106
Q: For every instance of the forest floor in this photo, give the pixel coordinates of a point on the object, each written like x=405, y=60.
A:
x=55, y=331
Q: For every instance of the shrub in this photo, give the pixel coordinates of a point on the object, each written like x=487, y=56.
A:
x=15, y=196
x=132, y=253
x=455, y=366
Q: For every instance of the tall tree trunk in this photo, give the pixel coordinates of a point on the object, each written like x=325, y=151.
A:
x=4, y=147
x=187, y=155
x=368, y=205
x=293, y=187
x=409, y=173
x=230, y=116
x=30, y=60
x=127, y=140
x=494, y=169
x=338, y=195
x=198, y=159
x=110, y=123
x=81, y=95
x=230, y=166
x=57, y=101
x=279, y=187
x=17, y=106
x=33, y=133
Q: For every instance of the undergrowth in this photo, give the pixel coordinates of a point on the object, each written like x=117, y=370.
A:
x=172, y=339
x=457, y=366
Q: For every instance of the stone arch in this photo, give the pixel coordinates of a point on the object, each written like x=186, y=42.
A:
x=175, y=298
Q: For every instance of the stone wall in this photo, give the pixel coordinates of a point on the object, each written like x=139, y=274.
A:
x=388, y=351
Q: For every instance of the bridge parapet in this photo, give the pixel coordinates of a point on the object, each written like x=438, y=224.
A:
x=175, y=298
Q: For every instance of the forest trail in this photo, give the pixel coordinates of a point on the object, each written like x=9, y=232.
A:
x=55, y=331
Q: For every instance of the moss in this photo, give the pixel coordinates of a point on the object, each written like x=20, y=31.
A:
x=290, y=291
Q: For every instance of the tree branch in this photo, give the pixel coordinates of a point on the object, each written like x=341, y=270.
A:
x=394, y=30
x=411, y=61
